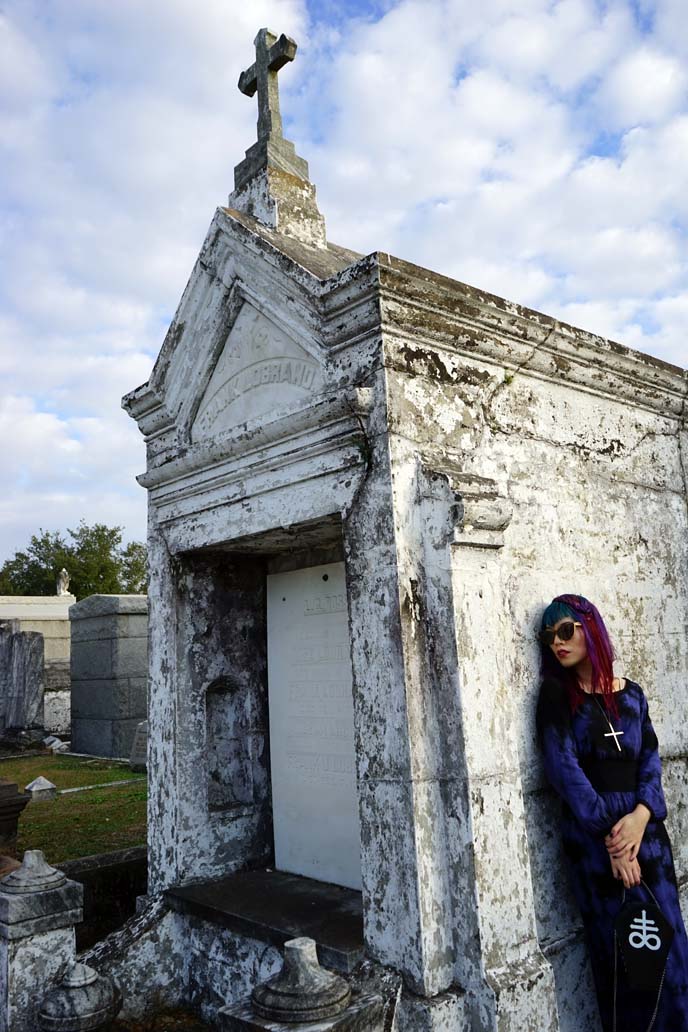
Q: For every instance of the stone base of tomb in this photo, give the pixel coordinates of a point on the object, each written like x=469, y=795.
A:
x=446, y=1012
x=364, y=1014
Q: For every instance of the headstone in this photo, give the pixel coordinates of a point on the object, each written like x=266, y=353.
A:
x=109, y=672
x=315, y=802
x=21, y=677
x=57, y=710
x=138, y=757
x=41, y=788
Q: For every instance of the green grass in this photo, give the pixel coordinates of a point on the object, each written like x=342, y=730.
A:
x=64, y=771
x=79, y=824
x=97, y=820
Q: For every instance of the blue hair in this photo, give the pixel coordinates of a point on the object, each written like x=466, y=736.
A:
x=556, y=611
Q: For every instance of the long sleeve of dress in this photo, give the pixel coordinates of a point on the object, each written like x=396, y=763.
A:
x=562, y=768
x=650, y=790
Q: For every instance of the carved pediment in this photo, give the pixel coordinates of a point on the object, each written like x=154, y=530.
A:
x=260, y=369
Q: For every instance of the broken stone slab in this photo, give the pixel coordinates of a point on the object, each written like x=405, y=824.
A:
x=83, y=1001
x=50, y=740
x=41, y=788
x=60, y=747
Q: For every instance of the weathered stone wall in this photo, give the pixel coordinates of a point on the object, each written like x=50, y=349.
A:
x=584, y=443
x=109, y=672
x=207, y=818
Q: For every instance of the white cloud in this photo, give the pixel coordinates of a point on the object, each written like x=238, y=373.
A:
x=538, y=149
x=644, y=88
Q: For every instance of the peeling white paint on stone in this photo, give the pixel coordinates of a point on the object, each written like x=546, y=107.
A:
x=27, y=967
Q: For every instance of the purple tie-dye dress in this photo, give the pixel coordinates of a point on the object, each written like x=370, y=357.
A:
x=569, y=744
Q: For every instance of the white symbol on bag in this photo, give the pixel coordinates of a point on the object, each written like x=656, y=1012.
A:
x=644, y=933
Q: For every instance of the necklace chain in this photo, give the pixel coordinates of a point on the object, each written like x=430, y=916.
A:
x=604, y=713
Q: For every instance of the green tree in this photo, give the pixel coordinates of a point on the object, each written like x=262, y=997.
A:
x=134, y=575
x=34, y=571
x=95, y=559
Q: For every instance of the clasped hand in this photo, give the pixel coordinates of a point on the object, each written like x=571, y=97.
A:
x=623, y=843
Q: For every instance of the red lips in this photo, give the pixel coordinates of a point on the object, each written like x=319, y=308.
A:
x=562, y=652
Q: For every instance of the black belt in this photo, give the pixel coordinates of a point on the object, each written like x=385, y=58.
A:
x=612, y=775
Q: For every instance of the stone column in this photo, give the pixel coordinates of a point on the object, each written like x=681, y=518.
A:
x=512, y=988
x=407, y=737
x=38, y=910
x=164, y=860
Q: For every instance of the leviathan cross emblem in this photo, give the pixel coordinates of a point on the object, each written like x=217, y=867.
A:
x=271, y=55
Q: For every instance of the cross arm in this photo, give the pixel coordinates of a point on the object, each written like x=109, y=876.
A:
x=279, y=54
x=248, y=81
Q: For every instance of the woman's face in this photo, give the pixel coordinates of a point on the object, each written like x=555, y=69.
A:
x=572, y=652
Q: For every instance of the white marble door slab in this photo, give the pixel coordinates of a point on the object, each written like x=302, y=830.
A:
x=314, y=798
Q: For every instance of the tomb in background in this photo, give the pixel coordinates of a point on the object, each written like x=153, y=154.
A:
x=109, y=662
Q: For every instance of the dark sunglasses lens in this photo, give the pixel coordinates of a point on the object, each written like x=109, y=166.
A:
x=564, y=632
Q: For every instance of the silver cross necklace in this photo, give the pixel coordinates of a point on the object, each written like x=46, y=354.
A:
x=611, y=733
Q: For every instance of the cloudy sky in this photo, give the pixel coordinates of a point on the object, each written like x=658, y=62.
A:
x=535, y=148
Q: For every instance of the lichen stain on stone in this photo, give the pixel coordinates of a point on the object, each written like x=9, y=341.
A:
x=430, y=363
x=562, y=364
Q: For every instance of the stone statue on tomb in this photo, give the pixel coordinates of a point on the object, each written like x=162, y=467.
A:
x=63, y=582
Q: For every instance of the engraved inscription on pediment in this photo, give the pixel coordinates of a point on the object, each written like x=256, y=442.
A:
x=259, y=370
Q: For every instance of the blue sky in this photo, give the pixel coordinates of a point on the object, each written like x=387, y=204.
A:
x=535, y=148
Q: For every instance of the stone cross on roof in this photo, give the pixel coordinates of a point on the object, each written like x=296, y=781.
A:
x=271, y=149
x=271, y=55
x=271, y=184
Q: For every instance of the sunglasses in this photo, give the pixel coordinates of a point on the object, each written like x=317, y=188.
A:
x=564, y=632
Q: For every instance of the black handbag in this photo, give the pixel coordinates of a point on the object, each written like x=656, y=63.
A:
x=643, y=936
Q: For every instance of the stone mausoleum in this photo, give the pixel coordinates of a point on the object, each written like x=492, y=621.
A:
x=365, y=480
